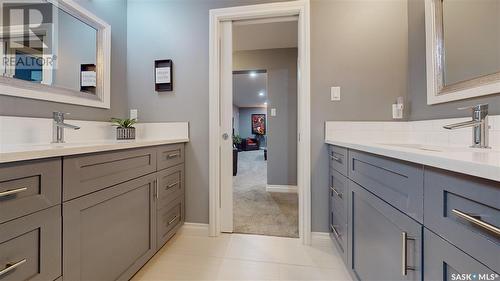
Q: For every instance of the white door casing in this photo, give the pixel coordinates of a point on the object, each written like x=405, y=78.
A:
x=219, y=167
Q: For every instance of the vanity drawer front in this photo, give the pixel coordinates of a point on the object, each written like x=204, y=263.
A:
x=338, y=159
x=170, y=155
x=443, y=261
x=27, y=187
x=398, y=183
x=339, y=186
x=31, y=246
x=170, y=185
x=460, y=208
x=89, y=173
x=169, y=218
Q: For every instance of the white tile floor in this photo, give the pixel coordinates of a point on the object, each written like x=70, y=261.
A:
x=192, y=255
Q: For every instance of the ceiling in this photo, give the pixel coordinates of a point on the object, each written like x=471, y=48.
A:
x=246, y=89
x=267, y=35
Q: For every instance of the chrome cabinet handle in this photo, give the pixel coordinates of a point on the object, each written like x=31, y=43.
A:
x=173, y=155
x=404, y=250
x=477, y=222
x=173, y=184
x=336, y=158
x=172, y=220
x=156, y=188
x=336, y=192
x=13, y=191
x=11, y=266
x=337, y=234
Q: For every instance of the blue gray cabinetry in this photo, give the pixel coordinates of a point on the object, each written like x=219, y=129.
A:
x=98, y=216
x=407, y=221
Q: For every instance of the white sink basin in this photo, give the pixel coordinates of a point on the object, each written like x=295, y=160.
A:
x=425, y=147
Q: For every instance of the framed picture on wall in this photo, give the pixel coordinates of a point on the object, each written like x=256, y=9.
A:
x=258, y=124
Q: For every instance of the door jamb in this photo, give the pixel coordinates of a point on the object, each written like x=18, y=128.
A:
x=289, y=8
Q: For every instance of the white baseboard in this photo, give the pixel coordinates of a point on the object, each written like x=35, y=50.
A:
x=281, y=188
x=320, y=235
x=191, y=228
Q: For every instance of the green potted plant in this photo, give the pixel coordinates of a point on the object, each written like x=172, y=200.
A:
x=237, y=141
x=125, y=128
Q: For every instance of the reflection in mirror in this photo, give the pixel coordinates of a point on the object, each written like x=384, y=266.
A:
x=471, y=39
x=43, y=44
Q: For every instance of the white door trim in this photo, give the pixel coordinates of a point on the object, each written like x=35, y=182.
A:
x=291, y=8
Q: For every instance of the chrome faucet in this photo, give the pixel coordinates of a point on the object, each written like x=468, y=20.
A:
x=58, y=127
x=479, y=124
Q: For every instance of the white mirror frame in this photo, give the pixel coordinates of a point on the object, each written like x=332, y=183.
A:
x=102, y=98
x=437, y=91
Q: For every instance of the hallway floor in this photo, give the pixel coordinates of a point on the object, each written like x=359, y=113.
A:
x=192, y=255
x=256, y=211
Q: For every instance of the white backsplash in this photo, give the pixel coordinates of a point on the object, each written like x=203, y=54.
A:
x=24, y=130
x=430, y=132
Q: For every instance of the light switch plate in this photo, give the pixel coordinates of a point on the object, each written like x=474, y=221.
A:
x=273, y=111
x=335, y=93
x=133, y=114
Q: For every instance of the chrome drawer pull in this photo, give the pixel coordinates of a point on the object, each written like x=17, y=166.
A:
x=404, y=250
x=477, y=222
x=337, y=234
x=173, y=155
x=13, y=191
x=172, y=220
x=9, y=267
x=336, y=192
x=173, y=184
x=336, y=158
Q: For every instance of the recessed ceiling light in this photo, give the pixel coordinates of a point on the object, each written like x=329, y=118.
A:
x=261, y=94
x=253, y=74
x=265, y=103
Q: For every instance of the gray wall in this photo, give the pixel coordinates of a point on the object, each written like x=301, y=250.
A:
x=246, y=122
x=281, y=66
x=113, y=12
x=362, y=47
x=417, y=93
x=177, y=30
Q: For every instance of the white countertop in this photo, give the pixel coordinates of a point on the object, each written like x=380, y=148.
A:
x=13, y=152
x=484, y=163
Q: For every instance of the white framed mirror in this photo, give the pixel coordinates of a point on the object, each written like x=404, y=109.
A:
x=462, y=49
x=54, y=50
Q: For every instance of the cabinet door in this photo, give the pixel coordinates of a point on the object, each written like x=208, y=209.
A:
x=384, y=243
x=110, y=234
x=443, y=261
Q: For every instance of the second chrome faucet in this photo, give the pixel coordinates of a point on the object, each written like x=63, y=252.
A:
x=479, y=124
x=58, y=127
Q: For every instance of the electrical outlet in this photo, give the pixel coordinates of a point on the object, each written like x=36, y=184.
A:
x=335, y=93
x=273, y=111
x=133, y=114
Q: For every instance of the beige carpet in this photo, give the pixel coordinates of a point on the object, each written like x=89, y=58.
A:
x=256, y=211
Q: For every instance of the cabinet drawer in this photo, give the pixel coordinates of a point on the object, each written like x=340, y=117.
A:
x=170, y=185
x=93, y=172
x=338, y=233
x=109, y=234
x=460, y=208
x=384, y=243
x=445, y=262
x=399, y=183
x=27, y=187
x=170, y=155
x=339, y=186
x=31, y=247
x=338, y=159
x=169, y=219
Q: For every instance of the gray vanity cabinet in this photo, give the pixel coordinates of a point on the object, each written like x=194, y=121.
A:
x=384, y=244
x=444, y=262
x=110, y=234
x=30, y=247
